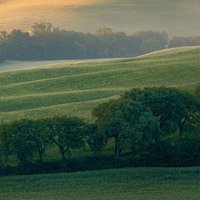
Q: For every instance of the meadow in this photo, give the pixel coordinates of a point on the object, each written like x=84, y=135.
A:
x=65, y=89
x=75, y=89
x=116, y=184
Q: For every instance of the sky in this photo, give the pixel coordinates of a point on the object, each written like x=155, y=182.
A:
x=178, y=17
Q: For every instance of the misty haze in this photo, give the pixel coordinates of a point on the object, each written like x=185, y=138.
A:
x=177, y=17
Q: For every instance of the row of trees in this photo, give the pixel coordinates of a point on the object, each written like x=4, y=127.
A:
x=179, y=41
x=46, y=42
x=143, y=119
x=152, y=126
x=2, y=49
x=27, y=139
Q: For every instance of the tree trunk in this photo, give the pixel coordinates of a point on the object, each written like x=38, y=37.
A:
x=41, y=151
x=45, y=54
x=62, y=153
x=181, y=126
x=40, y=154
x=117, y=147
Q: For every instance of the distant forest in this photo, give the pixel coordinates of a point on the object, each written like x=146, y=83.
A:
x=45, y=42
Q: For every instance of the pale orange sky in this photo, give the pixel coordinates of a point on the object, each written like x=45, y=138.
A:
x=21, y=3
x=178, y=17
x=23, y=13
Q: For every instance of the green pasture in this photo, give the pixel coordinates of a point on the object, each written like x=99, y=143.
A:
x=75, y=89
x=129, y=184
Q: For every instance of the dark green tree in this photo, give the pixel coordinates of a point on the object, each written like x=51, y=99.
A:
x=68, y=134
x=174, y=108
x=16, y=141
x=127, y=122
x=197, y=91
x=95, y=139
x=39, y=134
x=110, y=121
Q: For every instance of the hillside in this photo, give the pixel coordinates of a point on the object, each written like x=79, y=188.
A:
x=20, y=65
x=74, y=89
x=137, y=184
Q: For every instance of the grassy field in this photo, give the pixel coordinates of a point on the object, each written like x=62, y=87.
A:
x=75, y=89
x=127, y=184
x=20, y=65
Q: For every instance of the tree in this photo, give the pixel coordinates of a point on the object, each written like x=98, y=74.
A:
x=40, y=136
x=67, y=134
x=150, y=45
x=127, y=122
x=104, y=31
x=144, y=134
x=179, y=41
x=16, y=141
x=197, y=91
x=95, y=139
x=110, y=122
x=19, y=45
x=2, y=51
x=5, y=143
x=3, y=40
x=39, y=28
x=150, y=41
x=173, y=107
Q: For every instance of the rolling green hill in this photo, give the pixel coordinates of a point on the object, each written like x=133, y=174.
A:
x=75, y=89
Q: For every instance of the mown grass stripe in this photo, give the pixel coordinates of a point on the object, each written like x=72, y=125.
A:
x=77, y=89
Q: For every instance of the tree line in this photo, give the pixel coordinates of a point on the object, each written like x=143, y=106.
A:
x=45, y=42
x=150, y=126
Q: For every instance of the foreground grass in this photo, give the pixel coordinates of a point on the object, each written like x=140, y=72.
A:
x=123, y=184
x=68, y=90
